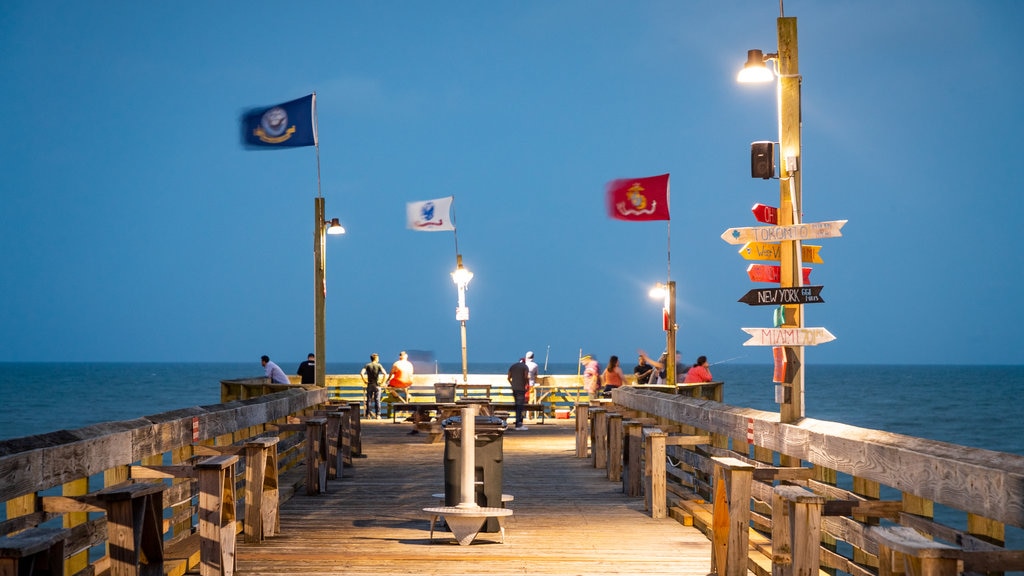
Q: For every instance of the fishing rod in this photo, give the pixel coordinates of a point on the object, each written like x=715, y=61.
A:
x=546, y=356
x=729, y=360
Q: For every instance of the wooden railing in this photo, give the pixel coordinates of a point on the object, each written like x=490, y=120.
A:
x=803, y=497
x=128, y=497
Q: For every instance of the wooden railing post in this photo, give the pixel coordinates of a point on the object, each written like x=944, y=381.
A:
x=262, y=490
x=39, y=548
x=902, y=550
x=599, y=435
x=730, y=522
x=632, y=480
x=582, y=429
x=316, y=456
x=134, y=528
x=345, y=440
x=217, y=518
x=615, y=447
x=654, y=472
x=796, y=531
x=335, y=432
x=356, y=425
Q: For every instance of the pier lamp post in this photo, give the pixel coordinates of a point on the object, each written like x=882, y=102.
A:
x=787, y=72
x=321, y=228
x=668, y=321
x=461, y=277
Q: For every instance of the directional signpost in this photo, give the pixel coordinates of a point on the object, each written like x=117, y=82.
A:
x=766, y=214
x=787, y=336
x=809, y=231
x=773, y=251
x=766, y=273
x=779, y=296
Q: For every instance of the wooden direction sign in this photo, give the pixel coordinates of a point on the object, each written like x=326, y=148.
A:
x=808, y=231
x=766, y=273
x=781, y=296
x=766, y=214
x=786, y=364
x=773, y=251
x=787, y=336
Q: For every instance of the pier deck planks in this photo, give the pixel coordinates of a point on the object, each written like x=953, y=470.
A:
x=569, y=519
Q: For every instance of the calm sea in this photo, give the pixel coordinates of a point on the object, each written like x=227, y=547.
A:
x=969, y=405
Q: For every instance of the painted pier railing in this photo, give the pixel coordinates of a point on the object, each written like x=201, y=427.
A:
x=782, y=499
x=156, y=494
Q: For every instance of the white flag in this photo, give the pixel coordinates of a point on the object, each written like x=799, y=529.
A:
x=430, y=215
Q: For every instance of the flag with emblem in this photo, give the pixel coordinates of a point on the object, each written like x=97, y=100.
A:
x=639, y=199
x=287, y=125
x=430, y=215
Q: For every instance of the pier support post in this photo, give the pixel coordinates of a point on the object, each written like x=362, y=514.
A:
x=654, y=472
x=632, y=479
x=730, y=521
x=796, y=530
x=582, y=429
x=316, y=456
x=262, y=490
x=217, y=517
x=615, y=447
x=599, y=437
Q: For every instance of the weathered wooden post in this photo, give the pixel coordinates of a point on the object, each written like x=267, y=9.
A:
x=316, y=456
x=582, y=429
x=615, y=447
x=134, y=528
x=217, y=515
x=730, y=522
x=599, y=448
x=796, y=531
x=902, y=550
x=654, y=472
x=632, y=480
x=262, y=490
x=335, y=465
x=41, y=547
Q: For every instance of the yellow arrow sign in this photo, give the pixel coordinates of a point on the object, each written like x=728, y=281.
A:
x=773, y=251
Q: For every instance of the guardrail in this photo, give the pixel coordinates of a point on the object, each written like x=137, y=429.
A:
x=142, y=496
x=806, y=496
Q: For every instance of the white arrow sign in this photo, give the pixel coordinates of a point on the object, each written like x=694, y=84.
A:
x=787, y=336
x=808, y=231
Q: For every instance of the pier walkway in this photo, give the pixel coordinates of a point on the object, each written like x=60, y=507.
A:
x=569, y=518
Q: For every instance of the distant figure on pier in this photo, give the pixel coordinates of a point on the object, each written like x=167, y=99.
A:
x=660, y=364
x=699, y=372
x=613, y=376
x=531, y=367
x=399, y=379
x=373, y=375
x=591, y=374
x=519, y=379
x=273, y=371
x=307, y=370
x=643, y=371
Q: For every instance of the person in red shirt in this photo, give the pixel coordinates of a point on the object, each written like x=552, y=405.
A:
x=699, y=372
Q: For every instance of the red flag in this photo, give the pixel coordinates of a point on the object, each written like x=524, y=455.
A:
x=639, y=199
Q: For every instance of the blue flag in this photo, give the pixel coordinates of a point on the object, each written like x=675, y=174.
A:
x=285, y=125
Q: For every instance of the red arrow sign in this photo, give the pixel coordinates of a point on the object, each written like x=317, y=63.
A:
x=766, y=273
x=766, y=214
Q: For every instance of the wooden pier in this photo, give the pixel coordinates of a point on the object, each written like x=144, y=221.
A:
x=568, y=517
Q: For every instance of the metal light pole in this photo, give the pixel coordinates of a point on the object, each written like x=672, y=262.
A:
x=321, y=227
x=790, y=201
x=461, y=277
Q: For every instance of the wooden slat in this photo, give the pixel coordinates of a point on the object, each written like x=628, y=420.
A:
x=568, y=518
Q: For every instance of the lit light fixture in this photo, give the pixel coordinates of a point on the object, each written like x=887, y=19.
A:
x=659, y=291
x=334, y=227
x=756, y=70
x=461, y=276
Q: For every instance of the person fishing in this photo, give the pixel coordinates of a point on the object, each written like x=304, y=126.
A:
x=699, y=372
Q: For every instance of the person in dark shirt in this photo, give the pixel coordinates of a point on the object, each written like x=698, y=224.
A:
x=519, y=378
x=307, y=370
x=373, y=376
x=643, y=371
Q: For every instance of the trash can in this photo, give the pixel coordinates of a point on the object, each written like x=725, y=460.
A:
x=489, y=457
x=444, y=392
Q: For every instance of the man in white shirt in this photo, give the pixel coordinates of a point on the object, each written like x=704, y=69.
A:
x=273, y=371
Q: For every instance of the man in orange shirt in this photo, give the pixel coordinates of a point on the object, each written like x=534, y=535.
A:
x=401, y=378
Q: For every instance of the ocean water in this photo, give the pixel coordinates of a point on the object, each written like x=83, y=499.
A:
x=976, y=406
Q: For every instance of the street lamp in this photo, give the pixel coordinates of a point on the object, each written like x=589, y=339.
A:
x=461, y=276
x=790, y=201
x=668, y=322
x=321, y=227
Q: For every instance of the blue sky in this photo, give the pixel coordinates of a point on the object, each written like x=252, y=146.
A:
x=135, y=227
